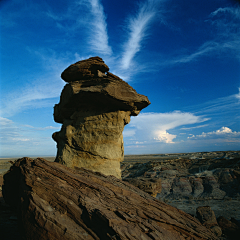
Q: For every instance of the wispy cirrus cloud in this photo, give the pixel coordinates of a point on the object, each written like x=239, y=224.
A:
x=223, y=105
x=137, y=27
x=221, y=111
x=99, y=35
x=29, y=97
x=225, y=23
x=210, y=48
x=234, y=11
x=37, y=93
x=46, y=84
x=190, y=128
x=87, y=17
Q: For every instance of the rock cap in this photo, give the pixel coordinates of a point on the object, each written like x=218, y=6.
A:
x=90, y=88
x=85, y=69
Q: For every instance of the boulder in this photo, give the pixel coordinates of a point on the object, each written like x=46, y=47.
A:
x=206, y=216
x=57, y=202
x=8, y=220
x=94, y=107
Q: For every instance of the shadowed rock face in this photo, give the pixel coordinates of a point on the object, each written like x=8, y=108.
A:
x=94, y=107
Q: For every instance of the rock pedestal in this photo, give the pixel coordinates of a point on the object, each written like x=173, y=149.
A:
x=94, y=107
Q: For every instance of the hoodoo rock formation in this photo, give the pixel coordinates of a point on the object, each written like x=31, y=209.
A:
x=56, y=202
x=94, y=107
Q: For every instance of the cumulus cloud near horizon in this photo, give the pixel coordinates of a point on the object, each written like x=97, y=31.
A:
x=154, y=127
x=224, y=132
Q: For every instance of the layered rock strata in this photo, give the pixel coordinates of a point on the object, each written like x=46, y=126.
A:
x=94, y=107
x=57, y=202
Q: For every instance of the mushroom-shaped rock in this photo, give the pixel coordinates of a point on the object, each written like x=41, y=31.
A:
x=94, y=107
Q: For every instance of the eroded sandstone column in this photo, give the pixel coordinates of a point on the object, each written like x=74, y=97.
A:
x=94, y=107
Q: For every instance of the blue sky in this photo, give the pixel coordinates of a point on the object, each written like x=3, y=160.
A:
x=184, y=55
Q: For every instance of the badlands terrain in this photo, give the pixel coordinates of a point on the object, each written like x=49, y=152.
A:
x=184, y=180
x=188, y=180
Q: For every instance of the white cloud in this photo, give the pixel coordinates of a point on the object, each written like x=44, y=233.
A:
x=99, y=36
x=238, y=94
x=225, y=41
x=30, y=96
x=154, y=127
x=138, y=26
x=4, y=122
x=214, y=47
x=223, y=132
x=21, y=139
x=225, y=105
x=164, y=136
x=234, y=11
x=129, y=132
x=85, y=15
x=8, y=130
x=41, y=128
x=40, y=88
x=190, y=128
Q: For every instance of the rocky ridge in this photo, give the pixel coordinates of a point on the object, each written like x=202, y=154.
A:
x=57, y=202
